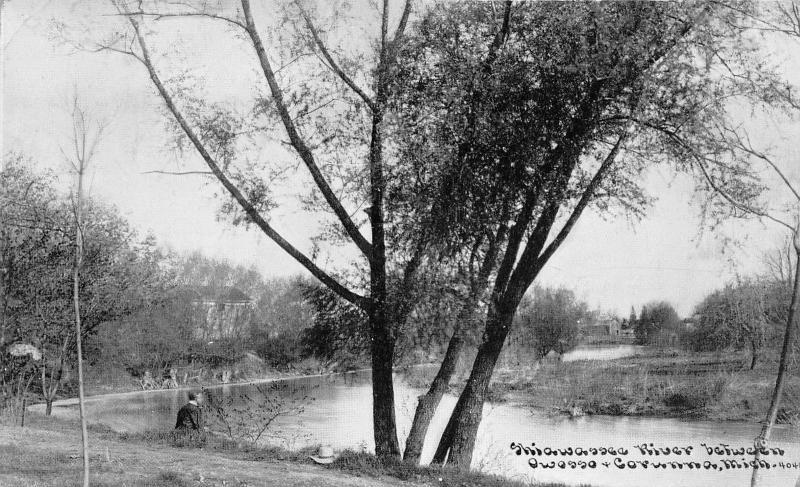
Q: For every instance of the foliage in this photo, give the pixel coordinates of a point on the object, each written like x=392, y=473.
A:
x=151, y=339
x=280, y=350
x=744, y=314
x=655, y=318
x=527, y=115
x=549, y=320
x=339, y=329
x=120, y=273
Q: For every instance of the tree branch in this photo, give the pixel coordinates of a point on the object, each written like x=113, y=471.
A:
x=296, y=140
x=159, y=15
x=332, y=64
x=586, y=197
x=401, y=27
x=249, y=209
x=179, y=173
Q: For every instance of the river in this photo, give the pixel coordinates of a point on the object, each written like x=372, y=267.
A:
x=340, y=415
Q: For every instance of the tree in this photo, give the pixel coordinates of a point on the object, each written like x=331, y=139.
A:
x=734, y=317
x=119, y=273
x=358, y=121
x=533, y=113
x=537, y=111
x=25, y=200
x=551, y=319
x=86, y=136
x=655, y=317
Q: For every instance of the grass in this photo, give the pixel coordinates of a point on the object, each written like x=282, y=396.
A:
x=365, y=464
x=665, y=384
x=67, y=469
x=351, y=462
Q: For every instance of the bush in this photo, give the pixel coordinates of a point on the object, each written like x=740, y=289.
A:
x=278, y=351
x=248, y=416
x=223, y=351
x=697, y=395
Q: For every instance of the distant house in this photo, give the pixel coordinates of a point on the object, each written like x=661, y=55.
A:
x=222, y=313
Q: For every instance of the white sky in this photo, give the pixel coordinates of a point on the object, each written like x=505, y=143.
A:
x=612, y=264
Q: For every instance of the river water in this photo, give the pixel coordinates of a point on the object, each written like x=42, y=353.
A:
x=340, y=415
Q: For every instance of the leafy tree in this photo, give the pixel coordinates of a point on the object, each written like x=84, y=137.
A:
x=153, y=338
x=119, y=273
x=655, y=318
x=732, y=317
x=537, y=111
x=531, y=113
x=550, y=319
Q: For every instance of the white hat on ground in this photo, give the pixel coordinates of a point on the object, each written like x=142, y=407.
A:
x=324, y=456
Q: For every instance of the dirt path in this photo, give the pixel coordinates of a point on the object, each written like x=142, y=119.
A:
x=33, y=456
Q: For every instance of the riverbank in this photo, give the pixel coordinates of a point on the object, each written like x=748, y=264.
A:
x=47, y=452
x=102, y=381
x=656, y=383
x=652, y=383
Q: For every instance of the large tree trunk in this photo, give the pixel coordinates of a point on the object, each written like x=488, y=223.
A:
x=458, y=439
x=383, y=417
x=383, y=340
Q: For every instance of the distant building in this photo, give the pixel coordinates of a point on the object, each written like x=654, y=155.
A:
x=222, y=313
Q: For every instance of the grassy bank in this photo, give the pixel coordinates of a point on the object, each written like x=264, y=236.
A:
x=658, y=383
x=47, y=452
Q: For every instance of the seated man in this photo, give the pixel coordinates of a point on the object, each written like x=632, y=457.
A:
x=190, y=416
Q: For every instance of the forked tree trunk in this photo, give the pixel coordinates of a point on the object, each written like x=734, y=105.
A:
x=458, y=440
x=428, y=403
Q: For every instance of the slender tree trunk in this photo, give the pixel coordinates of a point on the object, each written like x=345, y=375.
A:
x=753, y=353
x=458, y=439
x=788, y=338
x=77, y=302
x=48, y=390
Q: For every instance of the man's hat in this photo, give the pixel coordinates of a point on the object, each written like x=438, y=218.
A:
x=324, y=455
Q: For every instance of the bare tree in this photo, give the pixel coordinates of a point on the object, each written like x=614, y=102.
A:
x=86, y=134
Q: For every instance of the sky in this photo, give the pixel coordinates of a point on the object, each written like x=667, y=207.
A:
x=614, y=264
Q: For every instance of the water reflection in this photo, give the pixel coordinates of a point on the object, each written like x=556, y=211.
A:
x=601, y=353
